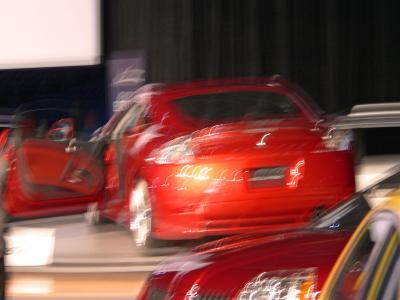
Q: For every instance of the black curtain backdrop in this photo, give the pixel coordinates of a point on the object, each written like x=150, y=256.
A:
x=342, y=52
x=81, y=88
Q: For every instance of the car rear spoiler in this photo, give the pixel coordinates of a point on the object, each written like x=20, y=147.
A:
x=375, y=115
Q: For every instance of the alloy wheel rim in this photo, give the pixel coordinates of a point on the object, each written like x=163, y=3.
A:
x=141, y=214
x=92, y=214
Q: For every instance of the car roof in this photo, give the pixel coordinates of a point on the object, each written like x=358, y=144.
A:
x=276, y=81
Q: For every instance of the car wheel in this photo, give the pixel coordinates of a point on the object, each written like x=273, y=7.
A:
x=141, y=217
x=93, y=216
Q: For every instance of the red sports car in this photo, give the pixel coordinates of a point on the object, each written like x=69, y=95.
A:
x=219, y=157
x=285, y=265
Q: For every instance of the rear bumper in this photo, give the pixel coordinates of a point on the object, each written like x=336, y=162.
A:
x=197, y=203
x=215, y=216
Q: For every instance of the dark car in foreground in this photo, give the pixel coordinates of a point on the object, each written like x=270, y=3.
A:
x=289, y=264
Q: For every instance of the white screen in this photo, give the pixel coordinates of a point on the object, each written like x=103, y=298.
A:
x=47, y=33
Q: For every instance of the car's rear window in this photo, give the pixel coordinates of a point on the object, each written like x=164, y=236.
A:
x=247, y=105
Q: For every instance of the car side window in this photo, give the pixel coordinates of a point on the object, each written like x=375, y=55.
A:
x=385, y=283
x=135, y=116
x=361, y=264
x=352, y=278
x=138, y=124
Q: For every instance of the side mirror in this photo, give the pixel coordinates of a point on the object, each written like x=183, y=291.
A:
x=61, y=130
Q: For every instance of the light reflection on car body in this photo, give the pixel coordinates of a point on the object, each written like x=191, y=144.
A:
x=198, y=164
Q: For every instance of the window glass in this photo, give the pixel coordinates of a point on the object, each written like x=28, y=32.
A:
x=385, y=282
x=347, y=215
x=352, y=272
x=233, y=106
x=36, y=123
x=360, y=265
x=132, y=118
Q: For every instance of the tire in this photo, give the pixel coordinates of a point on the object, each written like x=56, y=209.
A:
x=141, y=219
x=93, y=216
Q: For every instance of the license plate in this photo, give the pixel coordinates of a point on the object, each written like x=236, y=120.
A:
x=268, y=176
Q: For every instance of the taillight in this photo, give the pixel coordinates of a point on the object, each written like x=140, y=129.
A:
x=338, y=140
x=177, y=151
x=295, y=173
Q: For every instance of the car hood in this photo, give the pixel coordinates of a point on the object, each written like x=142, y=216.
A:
x=244, y=240
x=255, y=137
x=226, y=271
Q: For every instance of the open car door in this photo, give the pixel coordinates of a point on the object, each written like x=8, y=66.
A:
x=374, y=131
x=377, y=115
x=54, y=173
